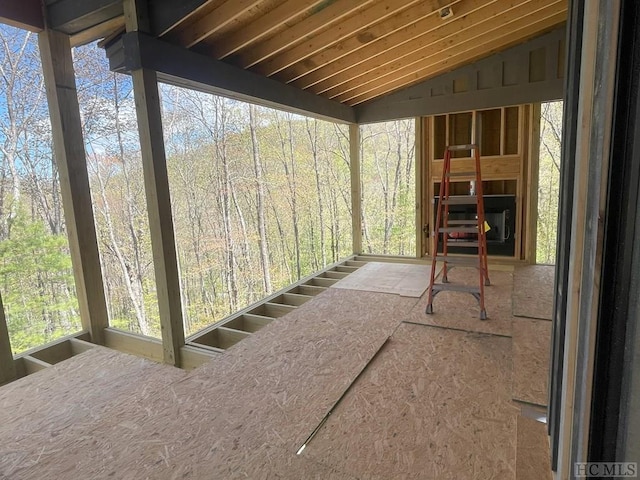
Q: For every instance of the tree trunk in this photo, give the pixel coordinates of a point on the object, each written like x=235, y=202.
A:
x=260, y=198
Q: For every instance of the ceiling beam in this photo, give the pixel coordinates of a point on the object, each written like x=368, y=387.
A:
x=329, y=15
x=511, y=84
x=483, y=49
x=358, y=22
x=204, y=26
x=101, y=30
x=439, y=37
x=262, y=26
x=499, y=30
x=407, y=20
x=74, y=16
x=185, y=68
x=166, y=15
x=26, y=14
x=384, y=49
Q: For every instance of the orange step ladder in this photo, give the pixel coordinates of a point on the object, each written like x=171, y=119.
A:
x=466, y=232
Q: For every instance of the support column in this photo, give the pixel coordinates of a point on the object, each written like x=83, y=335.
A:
x=356, y=191
x=7, y=364
x=59, y=77
x=156, y=184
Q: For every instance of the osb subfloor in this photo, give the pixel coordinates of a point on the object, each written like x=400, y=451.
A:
x=533, y=291
x=420, y=401
x=531, y=343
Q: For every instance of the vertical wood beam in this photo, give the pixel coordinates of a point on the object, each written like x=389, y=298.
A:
x=59, y=77
x=156, y=183
x=356, y=191
x=7, y=364
x=532, y=183
x=419, y=163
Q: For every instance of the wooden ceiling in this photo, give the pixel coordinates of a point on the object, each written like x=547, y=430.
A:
x=354, y=51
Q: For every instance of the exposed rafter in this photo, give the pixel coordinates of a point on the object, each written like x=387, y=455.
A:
x=25, y=14
x=74, y=16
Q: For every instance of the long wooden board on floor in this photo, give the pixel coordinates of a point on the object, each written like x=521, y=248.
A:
x=435, y=403
x=460, y=311
x=533, y=291
x=531, y=344
x=397, y=278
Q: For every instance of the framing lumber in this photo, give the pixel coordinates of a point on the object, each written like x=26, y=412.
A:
x=532, y=182
x=178, y=66
x=356, y=190
x=436, y=96
x=495, y=34
x=99, y=31
x=330, y=15
x=402, y=27
x=26, y=14
x=57, y=65
x=74, y=16
x=207, y=25
x=166, y=15
x=262, y=27
x=156, y=182
x=361, y=20
x=413, y=38
x=7, y=363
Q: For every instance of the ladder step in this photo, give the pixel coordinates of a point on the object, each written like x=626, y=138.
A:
x=462, y=243
x=462, y=200
x=441, y=287
x=453, y=148
x=470, y=261
x=460, y=174
x=459, y=229
x=463, y=222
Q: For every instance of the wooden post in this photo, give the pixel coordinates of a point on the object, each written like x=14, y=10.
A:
x=419, y=163
x=356, y=206
x=532, y=183
x=7, y=364
x=156, y=184
x=57, y=66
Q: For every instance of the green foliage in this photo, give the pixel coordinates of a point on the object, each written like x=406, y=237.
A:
x=549, y=181
x=37, y=285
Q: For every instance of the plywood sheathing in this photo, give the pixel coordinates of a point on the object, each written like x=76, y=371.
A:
x=397, y=278
x=460, y=310
x=533, y=453
x=45, y=414
x=246, y=409
x=533, y=291
x=531, y=343
x=435, y=403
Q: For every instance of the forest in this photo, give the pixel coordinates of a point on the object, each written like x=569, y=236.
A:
x=260, y=198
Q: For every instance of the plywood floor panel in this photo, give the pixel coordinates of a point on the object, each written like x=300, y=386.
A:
x=435, y=403
x=533, y=291
x=533, y=454
x=43, y=414
x=272, y=390
x=397, y=278
x=460, y=310
x=531, y=344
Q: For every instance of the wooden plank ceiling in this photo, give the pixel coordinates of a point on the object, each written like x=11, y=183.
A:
x=354, y=51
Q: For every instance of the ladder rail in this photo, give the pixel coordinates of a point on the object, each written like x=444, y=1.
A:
x=442, y=227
